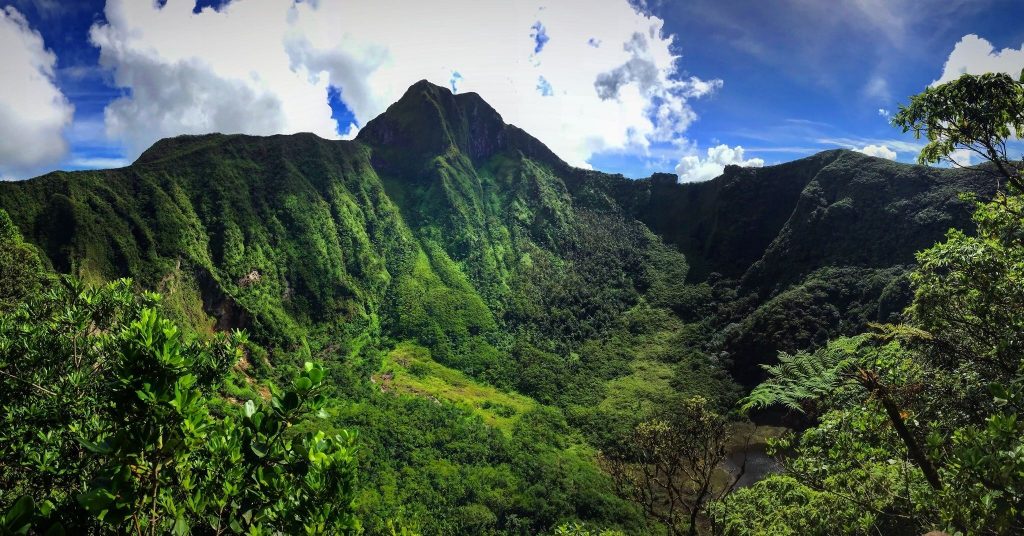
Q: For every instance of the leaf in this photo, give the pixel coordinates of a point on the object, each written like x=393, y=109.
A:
x=18, y=520
x=180, y=526
x=290, y=401
x=303, y=384
x=316, y=375
x=259, y=449
x=250, y=409
x=96, y=501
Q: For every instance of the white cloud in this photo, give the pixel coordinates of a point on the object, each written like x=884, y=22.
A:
x=264, y=67
x=693, y=168
x=960, y=157
x=188, y=73
x=975, y=55
x=884, y=113
x=33, y=111
x=880, y=151
x=877, y=89
x=856, y=143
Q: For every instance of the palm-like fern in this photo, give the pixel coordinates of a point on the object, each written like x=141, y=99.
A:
x=843, y=367
x=801, y=377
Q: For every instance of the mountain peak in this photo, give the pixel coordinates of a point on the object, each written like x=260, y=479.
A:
x=429, y=120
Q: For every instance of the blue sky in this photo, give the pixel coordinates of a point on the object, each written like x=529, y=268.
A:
x=780, y=79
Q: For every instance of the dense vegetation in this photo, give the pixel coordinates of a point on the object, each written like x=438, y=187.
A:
x=917, y=426
x=479, y=339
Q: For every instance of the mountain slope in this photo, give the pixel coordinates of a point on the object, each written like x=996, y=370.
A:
x=445, y=225
x=440, y=226
x=773, y=225
x=817, y=247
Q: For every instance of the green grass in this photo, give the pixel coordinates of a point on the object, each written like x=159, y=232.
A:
x=409, y=370
x=647, y=387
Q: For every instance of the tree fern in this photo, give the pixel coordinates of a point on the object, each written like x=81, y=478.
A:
x=804, y=376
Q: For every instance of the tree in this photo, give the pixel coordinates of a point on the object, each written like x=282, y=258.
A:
x=969, y=292
x=977, y=113
x=666, y=465
x=21, y=271
x=852, y=368
x=109, y=425
x=947, y=387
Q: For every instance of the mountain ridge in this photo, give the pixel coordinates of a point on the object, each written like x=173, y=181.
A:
x=472, y=193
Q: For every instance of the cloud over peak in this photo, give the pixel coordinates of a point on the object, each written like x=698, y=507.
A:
x=880, y=151
x=266, y=67
x=693, y=168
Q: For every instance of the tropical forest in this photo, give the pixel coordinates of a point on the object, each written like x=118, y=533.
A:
x=441, y=327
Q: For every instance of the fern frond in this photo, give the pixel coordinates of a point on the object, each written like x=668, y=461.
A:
x=803, y=376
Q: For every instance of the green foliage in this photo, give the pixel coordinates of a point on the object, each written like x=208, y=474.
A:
x=807, y=377
x=977, y=113
x=108, y=425
x=21, y=271
x=440, y=227
x=964, y=343
x=957, y=467
x=452, y=259
x=438, y=468
x=830, y=302
x=666, y=465
x=409, y=369
x=969, y=292
x=577, y=529
x=985, y=470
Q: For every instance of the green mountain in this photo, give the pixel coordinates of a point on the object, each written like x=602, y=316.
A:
x=814, y=248
x=491, y=314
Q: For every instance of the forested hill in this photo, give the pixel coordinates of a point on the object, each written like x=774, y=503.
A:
x=523, y=311
x=771, y=226
x=807, y=250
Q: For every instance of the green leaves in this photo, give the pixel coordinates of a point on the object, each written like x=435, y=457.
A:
x=805, y=377
x=974, y=112
x=18, y=519
x=111, y=417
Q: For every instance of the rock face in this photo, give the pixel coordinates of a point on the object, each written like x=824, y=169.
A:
x=249, y=279
x=430, y=120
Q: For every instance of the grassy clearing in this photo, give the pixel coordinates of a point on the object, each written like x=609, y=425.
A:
x=409, y=370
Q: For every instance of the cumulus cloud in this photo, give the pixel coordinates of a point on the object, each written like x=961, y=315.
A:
x=693, y=168
x=265, y=67
x=33, y=111
x=960, y=157
x=880, y=151
x=975, y=55
x=213, y=71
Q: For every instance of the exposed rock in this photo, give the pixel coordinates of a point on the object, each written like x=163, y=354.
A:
x=250, y=279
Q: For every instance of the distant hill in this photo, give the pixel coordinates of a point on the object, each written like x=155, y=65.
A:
x=771, y=226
